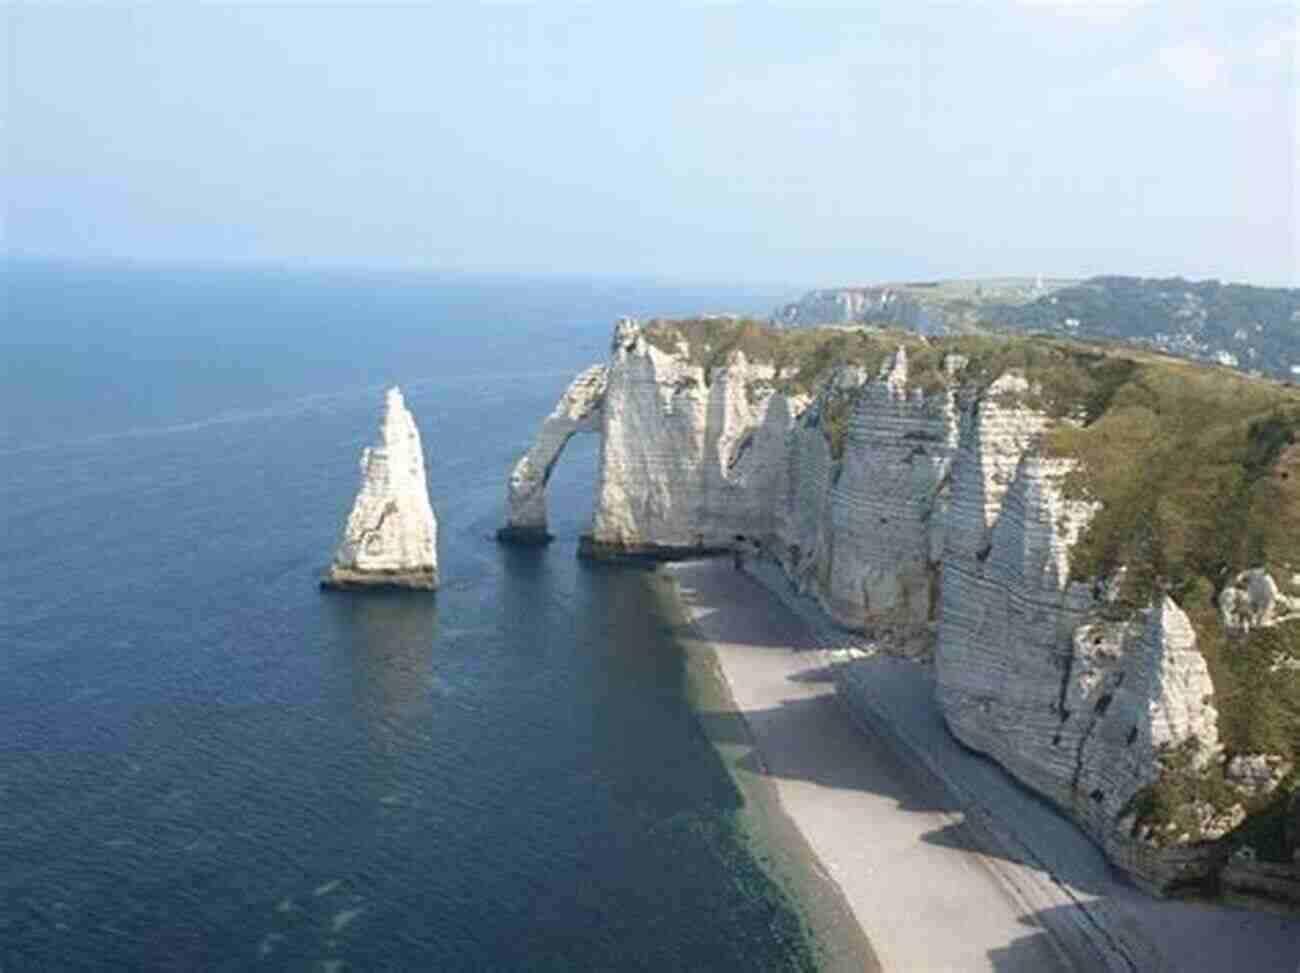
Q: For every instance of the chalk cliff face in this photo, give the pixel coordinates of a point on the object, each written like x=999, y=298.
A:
x=391, y=535
x=861, y=529
x=803, y=541
x=925, y=509
x=1031, y=673
x=691, y=458
x=884, y=304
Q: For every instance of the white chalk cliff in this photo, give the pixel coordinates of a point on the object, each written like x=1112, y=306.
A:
x=391, y=535
x=690, y=459
x=929, y=512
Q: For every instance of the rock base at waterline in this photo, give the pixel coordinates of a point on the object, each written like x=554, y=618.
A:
x=342, y=579
x=589, y=547
x=525, y=536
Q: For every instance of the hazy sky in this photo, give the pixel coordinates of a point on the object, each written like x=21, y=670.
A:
x=803, y=143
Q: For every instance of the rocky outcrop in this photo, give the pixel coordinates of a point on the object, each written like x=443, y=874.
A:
x=920, y=502
x=869, y=552
x=997, y=430
x=391, y=535
x=1081, y=710
x=578, y=410
x=1030, y=671
x=804, y=533
x=1253, y=600
x=1257, y=774
x=692, y=458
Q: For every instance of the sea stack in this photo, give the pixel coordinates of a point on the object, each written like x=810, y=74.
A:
x=391, y=537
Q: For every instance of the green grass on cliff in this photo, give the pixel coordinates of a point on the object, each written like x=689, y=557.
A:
x=1187, y=463
x=1070, y=377
x=1196, y=468
x=1198, y=473
x=802, y=358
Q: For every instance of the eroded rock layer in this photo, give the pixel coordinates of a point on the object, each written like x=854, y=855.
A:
x=391, y=535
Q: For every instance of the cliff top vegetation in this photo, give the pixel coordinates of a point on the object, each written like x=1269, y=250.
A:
x=1254, y=328
x=804, y=357
x=1197, y=471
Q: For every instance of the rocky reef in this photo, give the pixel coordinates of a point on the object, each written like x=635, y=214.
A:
x=391, y=536
x=1114, y=636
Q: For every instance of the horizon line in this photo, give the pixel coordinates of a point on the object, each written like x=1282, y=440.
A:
x=263, y=265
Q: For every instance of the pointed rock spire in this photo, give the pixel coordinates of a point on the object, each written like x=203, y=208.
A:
x=391, y=536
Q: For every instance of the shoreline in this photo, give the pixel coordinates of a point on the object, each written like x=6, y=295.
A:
x=944, y=861
x=838, y=940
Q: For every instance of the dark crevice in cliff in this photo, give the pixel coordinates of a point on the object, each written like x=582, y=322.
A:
x=1079, y=756
x=559, y=451
x=742, y=448
x=1065, y=689
x=389, y=510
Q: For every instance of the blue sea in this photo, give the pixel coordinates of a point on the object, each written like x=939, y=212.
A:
x=207, y=763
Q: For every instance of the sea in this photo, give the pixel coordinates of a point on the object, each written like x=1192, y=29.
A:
x=208, y=763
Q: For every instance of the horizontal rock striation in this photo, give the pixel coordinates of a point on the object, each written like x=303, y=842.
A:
x=859, y=529
x=918, y=502
x=1028, y=669
x=391, y=535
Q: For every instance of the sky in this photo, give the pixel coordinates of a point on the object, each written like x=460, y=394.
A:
x=819, y=143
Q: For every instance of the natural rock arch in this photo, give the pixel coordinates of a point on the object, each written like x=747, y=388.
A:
x=579, y=410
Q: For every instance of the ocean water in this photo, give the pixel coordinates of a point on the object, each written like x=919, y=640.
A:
x=206, y=763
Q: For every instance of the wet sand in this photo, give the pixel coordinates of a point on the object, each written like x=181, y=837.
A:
x=944, y=861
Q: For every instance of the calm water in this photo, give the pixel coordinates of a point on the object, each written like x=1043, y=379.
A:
x=206, y=763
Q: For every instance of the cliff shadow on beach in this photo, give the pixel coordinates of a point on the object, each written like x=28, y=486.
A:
x=882, y=735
